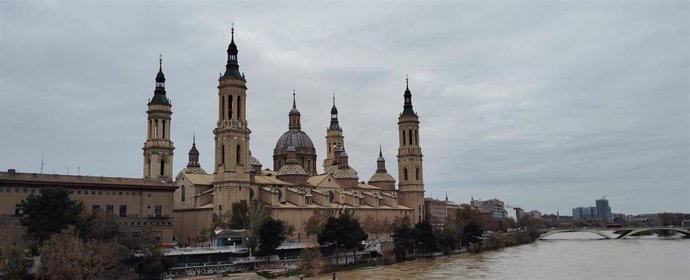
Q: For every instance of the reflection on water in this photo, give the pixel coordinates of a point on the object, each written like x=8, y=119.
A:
x=564, y=256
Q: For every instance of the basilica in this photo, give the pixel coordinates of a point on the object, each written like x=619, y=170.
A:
x=293, y=188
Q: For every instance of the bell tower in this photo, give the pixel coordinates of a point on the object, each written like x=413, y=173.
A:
x=334, y=137
x=411, y=181
x=231, y=173
x=158, y=149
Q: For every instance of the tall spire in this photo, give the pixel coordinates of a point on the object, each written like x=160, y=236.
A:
x=159, y=97
x=380, y=162
x=193, y=154
x=294, y=115
x=407, y=107
x=232, y=68
x=335, y=125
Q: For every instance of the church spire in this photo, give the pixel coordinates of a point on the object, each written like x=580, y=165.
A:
x=159, y=97
x=294, y=115
x=232, y=68
x=193, y=155
x=380, y=162
x=335, y=125
x=407, y=107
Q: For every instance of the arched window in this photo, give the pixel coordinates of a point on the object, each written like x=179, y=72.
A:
x=238, y=155
x=222, y=107
x=163, y=134
x=150, y=128
x=229, y=107
x=409, y=135
x=162, y=167
x=155, y=129
x=405, y=173
x=416, y=136
x=183, y=193
x=416, y=174
x=403, y=142
x=222, y=154
x=239, y=108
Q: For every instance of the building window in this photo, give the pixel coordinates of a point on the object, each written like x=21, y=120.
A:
x=163, y=134
x=108, y=209
x=405, y=173
x=229, y=107
x=158, y=211
x=123, y=211
x=222, y=154
x=238, y=155
x=100, y=192
x=409, y=136
x=95, y=207
x=403, y=138
x=120, y=193
x=183, y=193
x=162, y=167
x=416, y=174
x=239, y=106
x=33, y=190
x=416, y=136
x=93, y=192
x=78, y=192
x=25, y=190
x=18, y=210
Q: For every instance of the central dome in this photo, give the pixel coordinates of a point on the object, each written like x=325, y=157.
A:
x=300, y=140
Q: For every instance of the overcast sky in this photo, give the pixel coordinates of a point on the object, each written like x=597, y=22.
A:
x=545, y=105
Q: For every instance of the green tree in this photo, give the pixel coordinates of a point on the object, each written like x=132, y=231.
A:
x=344, y=231
x=271, y=234
x=471, y=234
x=403, y=240
x=240, y=215
x=50, y=212
x=425, y=238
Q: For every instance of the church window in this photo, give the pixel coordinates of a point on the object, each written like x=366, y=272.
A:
x=239, y=107
x=162, y=167
x=222, y=107
x=416, y=136
x=183, y=193
x=238, y=155
x=222, y=154
x=416, y=174
x=409, y=135
x=229, y=107
x=163, y=134
x=155, y=129
x=405, y=173
x=403, y=139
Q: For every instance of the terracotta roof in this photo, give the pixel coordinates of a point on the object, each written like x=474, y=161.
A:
x=78, y=180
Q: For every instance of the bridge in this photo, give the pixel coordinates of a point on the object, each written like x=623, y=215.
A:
x=622, y=232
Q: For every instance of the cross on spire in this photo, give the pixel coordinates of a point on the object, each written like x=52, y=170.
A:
x=232, y=31
x=294, y=103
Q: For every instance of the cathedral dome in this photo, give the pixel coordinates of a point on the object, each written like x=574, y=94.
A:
x=300, y=140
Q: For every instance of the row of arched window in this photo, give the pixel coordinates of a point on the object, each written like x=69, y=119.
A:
x=154, y=129
x=227, y=112
x=410, y=137
x=238, y=154
x=416, y=174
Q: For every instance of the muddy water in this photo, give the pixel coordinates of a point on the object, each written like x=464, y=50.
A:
x=564, y=256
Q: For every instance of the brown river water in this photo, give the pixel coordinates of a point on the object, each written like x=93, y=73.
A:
x=562, y=256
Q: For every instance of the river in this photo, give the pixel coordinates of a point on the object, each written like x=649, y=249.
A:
x=562, y=256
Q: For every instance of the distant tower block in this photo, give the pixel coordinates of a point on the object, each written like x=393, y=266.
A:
x=158, y=149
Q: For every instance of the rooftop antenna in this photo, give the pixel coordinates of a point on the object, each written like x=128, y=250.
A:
x=43, y=163
x=78, y=170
